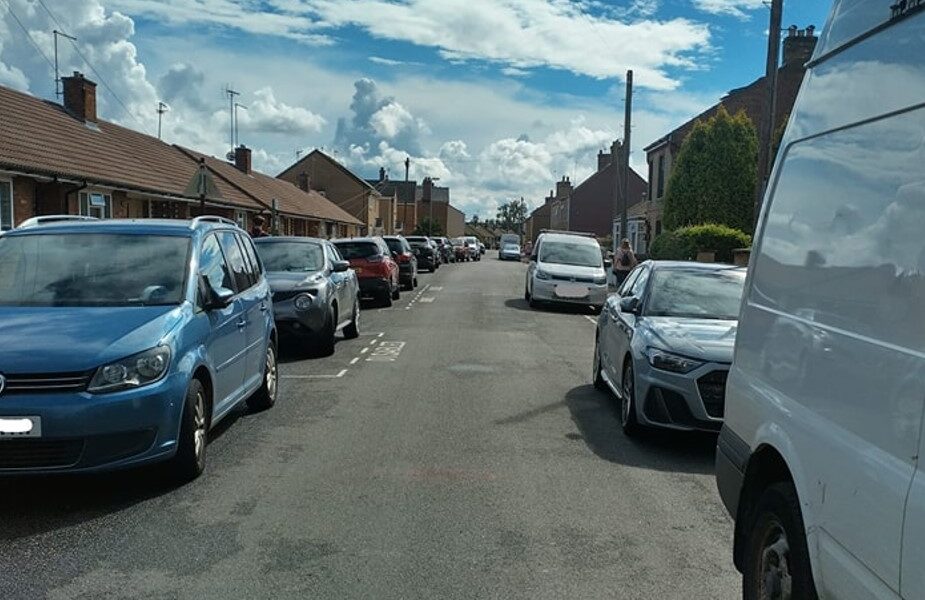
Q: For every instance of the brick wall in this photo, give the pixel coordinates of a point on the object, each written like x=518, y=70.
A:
x=23, y=199
x=337, y=186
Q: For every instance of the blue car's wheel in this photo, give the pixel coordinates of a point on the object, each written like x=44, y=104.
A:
x=190, y=460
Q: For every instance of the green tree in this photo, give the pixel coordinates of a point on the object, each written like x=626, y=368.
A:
x=511, y=215
x=428, y=227
x=714, y=177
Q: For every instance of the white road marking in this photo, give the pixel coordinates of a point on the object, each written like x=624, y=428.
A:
x=372, y=342
x=314, y=376
x=364, y=350
x=380, y=334
x=386, y=352
x=437, y=288
x=342, y=373
x=355, y=360
x=592, y=319
x=428, y=299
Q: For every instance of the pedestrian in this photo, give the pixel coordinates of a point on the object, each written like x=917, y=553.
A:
x=257, y=228
x=528, y=249
x=624, y=261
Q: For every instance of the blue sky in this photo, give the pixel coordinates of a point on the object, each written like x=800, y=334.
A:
x=498, y=98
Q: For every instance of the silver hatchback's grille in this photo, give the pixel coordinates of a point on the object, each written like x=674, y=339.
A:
x=37, y=383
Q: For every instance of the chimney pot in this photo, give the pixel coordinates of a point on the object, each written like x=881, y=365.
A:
x=799, y=45
x=242, y=158
x=80, y=97
x=381, y=173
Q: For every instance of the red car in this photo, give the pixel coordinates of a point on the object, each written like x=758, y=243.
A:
x=377, y=272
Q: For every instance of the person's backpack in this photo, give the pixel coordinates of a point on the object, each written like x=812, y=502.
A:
x=625, y=259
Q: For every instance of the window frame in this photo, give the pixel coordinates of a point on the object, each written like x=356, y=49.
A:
x=250, y=254
x=660, y=189
x=9, y=181
x=83, y=200
x=234, y=276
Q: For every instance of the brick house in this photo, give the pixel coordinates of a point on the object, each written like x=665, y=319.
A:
x=322, y=173
x=62, y=159
x=414, y=202
x=798, y=48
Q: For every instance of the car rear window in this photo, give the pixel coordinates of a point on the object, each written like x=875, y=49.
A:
x=351, y=250
x=394, y=245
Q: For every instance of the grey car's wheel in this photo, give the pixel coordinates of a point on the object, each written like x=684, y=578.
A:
x=777, y=563
x=352, y=330
x=628, y=420
x=265, y=396
x=190, y=459
x=385, y=298
x=326, y=337
x=396, y=292
x=414, y=282
x=597, y=376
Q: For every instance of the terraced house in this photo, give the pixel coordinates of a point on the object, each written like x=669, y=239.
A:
x=63, y=159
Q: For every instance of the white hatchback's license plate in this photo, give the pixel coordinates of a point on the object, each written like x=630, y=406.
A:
x=571, y=290
x=20, y=427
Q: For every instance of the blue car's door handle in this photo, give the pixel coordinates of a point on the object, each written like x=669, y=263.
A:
x=263, y=306
x=242, y=324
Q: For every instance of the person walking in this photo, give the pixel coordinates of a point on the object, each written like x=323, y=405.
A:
x=257, y=228
x=624, y=261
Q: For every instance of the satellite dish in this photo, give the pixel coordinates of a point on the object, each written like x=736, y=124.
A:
x=230, y=156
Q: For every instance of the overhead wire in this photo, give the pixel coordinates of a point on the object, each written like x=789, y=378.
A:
x=28, y=35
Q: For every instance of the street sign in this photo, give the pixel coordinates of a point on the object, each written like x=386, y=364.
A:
x=202, y=185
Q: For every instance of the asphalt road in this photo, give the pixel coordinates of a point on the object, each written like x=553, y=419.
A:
x=455, y=450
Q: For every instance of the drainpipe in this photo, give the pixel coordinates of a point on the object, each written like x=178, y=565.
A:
x=73, y=190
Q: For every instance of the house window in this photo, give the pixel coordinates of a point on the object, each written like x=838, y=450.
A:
x=95, y=204
x=650, y=180
x=240, y=217
x=6, y=205
x=661, y=176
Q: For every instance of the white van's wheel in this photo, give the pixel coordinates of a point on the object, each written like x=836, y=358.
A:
x=776, y=556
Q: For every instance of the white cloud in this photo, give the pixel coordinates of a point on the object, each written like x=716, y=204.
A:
x=735, y=8
x=391, y=62
x=268, y=115
x=515, y=72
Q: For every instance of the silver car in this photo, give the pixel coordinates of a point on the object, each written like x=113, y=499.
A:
x=315, y=292
x=566, y=268
x=664, y=344
x=509, y=252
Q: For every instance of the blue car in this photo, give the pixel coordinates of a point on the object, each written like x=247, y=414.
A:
x=123, y=342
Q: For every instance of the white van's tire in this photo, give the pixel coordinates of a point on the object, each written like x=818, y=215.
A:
x=776, y=554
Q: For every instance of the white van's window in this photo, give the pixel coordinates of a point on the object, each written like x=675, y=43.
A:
x=843, y=243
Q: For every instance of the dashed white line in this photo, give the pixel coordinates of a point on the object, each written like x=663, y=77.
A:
x=380, y=334
x=342, y=373
x=355, y=360
x=364, y=350
x=592, y=319
x=314, y=376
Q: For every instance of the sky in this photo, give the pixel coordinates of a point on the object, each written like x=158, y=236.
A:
x=498, y=99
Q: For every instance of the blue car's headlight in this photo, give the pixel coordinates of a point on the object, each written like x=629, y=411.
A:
x=666, y=361
x=135, y=371
x=540, y=274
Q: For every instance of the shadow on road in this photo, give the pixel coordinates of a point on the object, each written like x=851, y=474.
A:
x=598, y=419
x=570, y=309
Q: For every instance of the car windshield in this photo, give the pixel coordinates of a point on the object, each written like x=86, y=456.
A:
x=512, y=247
x=351, y=250
x=291, y=256
x=567, y=253
x=696, y=293
x=92, y=269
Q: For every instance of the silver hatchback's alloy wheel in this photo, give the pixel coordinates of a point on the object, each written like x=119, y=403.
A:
x=200, y=426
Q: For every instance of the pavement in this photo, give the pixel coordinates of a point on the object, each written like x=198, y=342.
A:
x=456, y=449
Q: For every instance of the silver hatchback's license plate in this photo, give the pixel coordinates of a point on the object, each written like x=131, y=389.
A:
x=20, y=427
x=571, y=290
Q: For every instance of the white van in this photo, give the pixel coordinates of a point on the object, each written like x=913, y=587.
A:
x=818, y=460
x=566, y=268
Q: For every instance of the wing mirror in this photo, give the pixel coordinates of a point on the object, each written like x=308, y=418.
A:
x=608, y=263
x=630, y=304
x=339, y=266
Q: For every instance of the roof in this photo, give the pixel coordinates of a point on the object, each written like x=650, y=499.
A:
x=576, y=237
x=403, y=190
x=372, y=240
x=292, y=200
x=40, y=137
x=689, y=264
x=139, y=226
x=269, y=239
x=336, y=163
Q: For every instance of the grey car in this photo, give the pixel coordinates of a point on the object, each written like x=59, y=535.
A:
x=315, y=292
x=664, y=344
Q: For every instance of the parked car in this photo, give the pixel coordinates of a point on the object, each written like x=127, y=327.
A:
x=434, y=254
x=509, y=251
x=460, y=249
x=404, y=255
x=426, y=255
x=481, y=248
x=509, y=238
x=472, y=243
x=315, y=293
x=664, y=344
x=376, y=270
x=567, y=269
x=446, y=249
x=124, y=342
x=820, y=459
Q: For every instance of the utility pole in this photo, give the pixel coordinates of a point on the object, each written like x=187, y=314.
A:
x=231, y=94
x=161, y=109
x=56, y=33
x=766, y=141
x=624, y=165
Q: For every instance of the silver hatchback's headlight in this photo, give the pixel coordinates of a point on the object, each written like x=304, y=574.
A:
x=600, y=280
x=137, y=370
x=667, y=361
x=540, y=274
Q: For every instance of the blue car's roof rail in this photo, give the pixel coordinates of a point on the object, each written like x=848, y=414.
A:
x=211, y=219
x=46, y=219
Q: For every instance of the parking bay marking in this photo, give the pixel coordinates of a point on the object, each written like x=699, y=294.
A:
x=386, y=352
x=337, y=376
x=592, y=319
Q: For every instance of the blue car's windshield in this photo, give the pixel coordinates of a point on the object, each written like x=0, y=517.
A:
x=696, y=293
x=291, y=256
x=92, y=269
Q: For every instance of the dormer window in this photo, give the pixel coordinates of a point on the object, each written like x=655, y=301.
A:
x=96, y=204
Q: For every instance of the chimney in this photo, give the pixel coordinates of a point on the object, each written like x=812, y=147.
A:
x=799, y=45
x=381, y=174
x=80, y=97
x=563, y=188
x=602, y=160
x=304, y=184
x=428, y=186
x=550, y=197
x=242, y=158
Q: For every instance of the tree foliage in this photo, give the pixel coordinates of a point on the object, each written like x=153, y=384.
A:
x=428, y=228
x=511, y=215
x=715, y=174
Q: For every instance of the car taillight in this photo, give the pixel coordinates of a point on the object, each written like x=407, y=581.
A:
x=404, y=257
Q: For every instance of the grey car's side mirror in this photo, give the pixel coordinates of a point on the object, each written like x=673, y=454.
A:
x=629, y=304
x=340, y=266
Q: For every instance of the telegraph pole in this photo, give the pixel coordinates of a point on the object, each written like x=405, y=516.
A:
x=766, y=141
x=624, y=165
